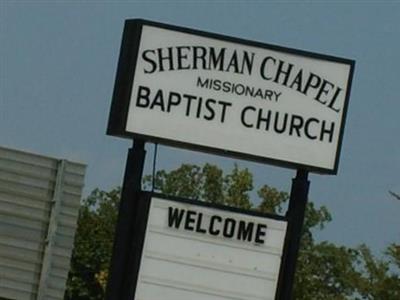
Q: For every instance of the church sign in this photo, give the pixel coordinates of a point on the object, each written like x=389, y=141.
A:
x=229, y=96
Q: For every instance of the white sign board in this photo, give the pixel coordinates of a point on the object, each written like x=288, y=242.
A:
x=198, y=252
x=233, y=97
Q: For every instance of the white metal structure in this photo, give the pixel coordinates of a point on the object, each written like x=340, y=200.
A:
x=39, y=205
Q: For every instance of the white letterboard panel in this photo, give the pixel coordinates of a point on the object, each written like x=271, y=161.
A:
x=197, y=252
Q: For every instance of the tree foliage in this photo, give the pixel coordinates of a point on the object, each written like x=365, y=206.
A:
x=325, y=270
x=93, y=246
x=379, y=280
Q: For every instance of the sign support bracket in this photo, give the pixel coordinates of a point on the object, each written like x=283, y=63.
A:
x=295, y=215
x=118, y=285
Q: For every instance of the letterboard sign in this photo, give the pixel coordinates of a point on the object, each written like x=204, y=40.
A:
x=230, y=96
x=195, y=251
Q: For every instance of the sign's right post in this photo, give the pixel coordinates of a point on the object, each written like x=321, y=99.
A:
x=295, y=216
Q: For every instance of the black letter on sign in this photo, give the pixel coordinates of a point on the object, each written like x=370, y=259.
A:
x=244, y=111
x=199, y=229
x=143, y=94
x=190, y=220
x=175, y=216
x=212, y=229
x=261, y=232
x=245, y=231
x=263, y=64
x=150, y=61
x=229, y=227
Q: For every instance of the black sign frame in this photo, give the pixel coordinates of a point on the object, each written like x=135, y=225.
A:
x=138, y=232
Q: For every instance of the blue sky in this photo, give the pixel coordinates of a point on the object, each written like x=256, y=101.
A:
x=58, y=62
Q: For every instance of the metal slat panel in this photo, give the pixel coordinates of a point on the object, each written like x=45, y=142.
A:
x=75, y=168
x=25, y=190
x=71, y=201
x=70, y=213
x=57, y=283
x=66, y=231
x=20, y=232
x=73, y=190
x=20, y=265
x=64, y=241
x=17, y=285
x=39, y=206
x=67, y=191
x=19, y=275
x=24, y=180
x=62, y=252
x=27, y=169
x=73, y=179
x=20, y=254
x=21, y=222
x=35, y=246
x=67, y=221
x=61, y=265
x=59, y=272
x=55, y=293
x=28, y=158
x=24, y=212
x=10, y=293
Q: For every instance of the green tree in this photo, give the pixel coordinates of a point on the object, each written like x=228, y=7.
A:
x=93, y=246
x=213, y=184
x=238, y=185
x=379, y=279
x=272, y=200
x=394, y=254
x=206, y=184
x=325, y=271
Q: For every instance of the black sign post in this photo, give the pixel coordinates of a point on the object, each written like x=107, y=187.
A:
x=118, y=285
x=295, y=215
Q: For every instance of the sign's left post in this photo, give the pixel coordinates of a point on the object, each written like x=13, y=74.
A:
x=118, y=285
